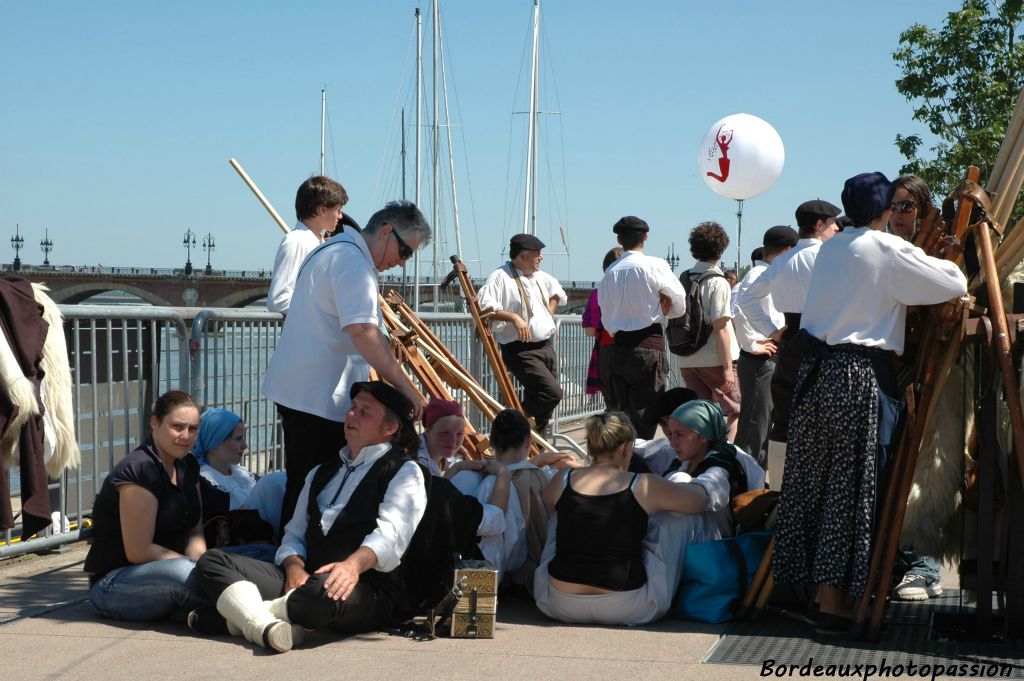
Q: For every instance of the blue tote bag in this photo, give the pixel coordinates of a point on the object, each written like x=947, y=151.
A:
x=716, y=575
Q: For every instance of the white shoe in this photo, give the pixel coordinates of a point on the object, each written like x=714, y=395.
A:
x=916, y=588
x=279, y=609
x=242, y=606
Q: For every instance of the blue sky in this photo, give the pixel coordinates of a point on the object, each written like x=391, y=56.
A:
x=117, y=119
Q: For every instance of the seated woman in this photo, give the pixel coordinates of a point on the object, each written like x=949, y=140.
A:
x=249, y=508
x=657, y=455
x=600, y=564
x=147, y=527
x=704, y=457
x=444, y=430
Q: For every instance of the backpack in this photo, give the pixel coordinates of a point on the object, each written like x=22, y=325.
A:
x=688, y=334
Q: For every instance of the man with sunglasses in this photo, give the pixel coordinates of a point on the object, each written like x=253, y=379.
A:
x=787, y=280
x=524, y=300
x=331, y=338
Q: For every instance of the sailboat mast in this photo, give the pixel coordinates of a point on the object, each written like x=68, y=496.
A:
x=323, y=128
x=437, y=160
x=419, y=109
x=405, y=155
x=451, y=157
x=530, y=202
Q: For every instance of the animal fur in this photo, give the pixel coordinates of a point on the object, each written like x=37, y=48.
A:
x=22, y=394
x=57, y=388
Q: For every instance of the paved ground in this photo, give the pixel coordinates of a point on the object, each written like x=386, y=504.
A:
x=49, y=631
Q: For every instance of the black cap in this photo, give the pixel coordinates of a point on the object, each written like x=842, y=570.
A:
x=780, y=236
x=630, y=223
x=809, y=212
x=525, y=242
x=667, y=403
x=394, y=401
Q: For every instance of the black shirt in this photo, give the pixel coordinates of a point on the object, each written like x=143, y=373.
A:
x=178, y=507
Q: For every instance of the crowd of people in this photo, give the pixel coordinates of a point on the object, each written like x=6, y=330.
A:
x=789, y=384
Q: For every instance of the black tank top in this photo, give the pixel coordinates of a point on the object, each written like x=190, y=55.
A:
x=598, y=541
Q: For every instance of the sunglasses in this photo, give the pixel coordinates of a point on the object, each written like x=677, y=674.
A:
x=404, y=251
x=904, y=207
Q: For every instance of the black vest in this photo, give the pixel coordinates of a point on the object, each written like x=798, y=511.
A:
x=359, y=516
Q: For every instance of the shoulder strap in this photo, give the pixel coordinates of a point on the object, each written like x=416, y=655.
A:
x=329, y=242
x=522, y=291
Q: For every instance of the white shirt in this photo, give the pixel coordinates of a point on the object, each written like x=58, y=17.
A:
x=400, y=512
x=657, y=454
x=629, y=292
x=294, y=248
x=500, y=292
x=787, y=280
x=505, y=548
x=881, y=274
x=716, y=303
x=315, y=362
x=715, y=481
x=746, y=334
x=423, y=456
x=238, y=484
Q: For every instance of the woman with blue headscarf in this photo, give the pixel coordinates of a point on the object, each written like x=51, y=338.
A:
x=219, y=447
x=697, y=432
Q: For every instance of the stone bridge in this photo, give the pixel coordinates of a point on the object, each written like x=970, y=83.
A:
x=70, y=284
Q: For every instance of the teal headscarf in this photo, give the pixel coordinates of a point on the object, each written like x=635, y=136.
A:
x=215, y=425
x=706, y=419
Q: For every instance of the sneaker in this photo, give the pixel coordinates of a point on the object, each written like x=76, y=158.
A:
x=916, y=588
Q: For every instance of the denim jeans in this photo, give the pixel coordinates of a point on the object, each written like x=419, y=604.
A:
x=147, y=592
x=926, y=566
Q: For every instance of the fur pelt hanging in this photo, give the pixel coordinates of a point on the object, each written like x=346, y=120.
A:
x=56, y=390
x=22, y=395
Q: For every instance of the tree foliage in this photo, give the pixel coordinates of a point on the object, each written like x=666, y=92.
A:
x=963, y=80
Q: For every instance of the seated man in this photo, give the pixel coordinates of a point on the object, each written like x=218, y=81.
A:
x=354, y=520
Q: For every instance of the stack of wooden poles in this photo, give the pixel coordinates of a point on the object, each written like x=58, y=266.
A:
x=438, y=371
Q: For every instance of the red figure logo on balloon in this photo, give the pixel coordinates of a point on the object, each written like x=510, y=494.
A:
x=722, y=140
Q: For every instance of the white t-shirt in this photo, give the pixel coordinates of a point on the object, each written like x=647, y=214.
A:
x=500, y=292
x=294, y=248
x=716, y=300
x=238, y=484
x=880, y=274
x=506, y=550
x=316, y=363
x=629, y=292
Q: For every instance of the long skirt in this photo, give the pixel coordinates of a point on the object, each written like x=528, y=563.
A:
x=827, y=506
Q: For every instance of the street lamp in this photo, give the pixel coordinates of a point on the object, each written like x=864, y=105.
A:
x=17, y=243
x=189, y=242
x=208, y=246
x=672, y=258
x=47, y=247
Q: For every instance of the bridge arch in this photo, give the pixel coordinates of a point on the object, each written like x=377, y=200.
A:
x=242, y=298
x=76, y=293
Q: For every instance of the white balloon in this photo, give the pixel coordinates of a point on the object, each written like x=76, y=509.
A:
x=741, y=156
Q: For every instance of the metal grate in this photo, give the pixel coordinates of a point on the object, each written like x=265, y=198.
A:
x=906, y=638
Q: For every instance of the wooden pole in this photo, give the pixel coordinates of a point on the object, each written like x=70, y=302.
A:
x=259, y=195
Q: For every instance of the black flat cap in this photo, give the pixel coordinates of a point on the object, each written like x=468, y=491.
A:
x=394, y=401
x=630, y=223
x=667, y=403
x=867, y=196
x=780, y=236
x=809, y=212
x=525, y=242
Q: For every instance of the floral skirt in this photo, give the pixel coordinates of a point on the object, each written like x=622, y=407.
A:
x=827, y=502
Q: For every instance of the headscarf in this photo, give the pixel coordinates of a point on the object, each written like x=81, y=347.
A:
x=215, y=425
x=438, y=409
x=706, y=419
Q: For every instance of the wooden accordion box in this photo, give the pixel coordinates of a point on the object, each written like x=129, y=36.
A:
x=477, y=608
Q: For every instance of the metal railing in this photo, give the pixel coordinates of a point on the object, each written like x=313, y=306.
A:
x=123, y=357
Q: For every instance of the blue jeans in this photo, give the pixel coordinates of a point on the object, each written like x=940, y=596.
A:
x=926, y=566
x=147, y=592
